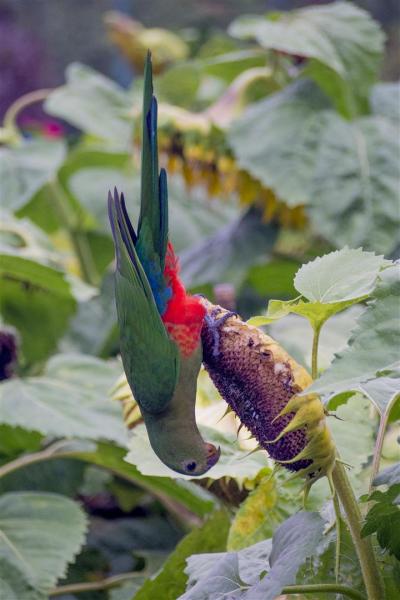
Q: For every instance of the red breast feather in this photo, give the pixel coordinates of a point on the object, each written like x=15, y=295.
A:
x=184, y=315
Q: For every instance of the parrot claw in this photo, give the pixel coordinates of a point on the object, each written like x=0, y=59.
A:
x=214, y=326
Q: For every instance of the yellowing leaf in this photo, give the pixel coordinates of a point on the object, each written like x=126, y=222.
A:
x=259, y=515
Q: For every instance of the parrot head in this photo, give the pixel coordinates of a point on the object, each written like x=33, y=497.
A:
x=160, y=324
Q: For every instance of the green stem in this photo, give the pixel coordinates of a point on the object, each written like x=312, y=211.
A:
x=379, y=441
x=325, y=588
x=117, y=580
x=314, y=354
x=378, y=448
x=53, y=451
x=364, y=549
x=336, y=506
x=343, y=489
x=94, y=586
x=10, y=117
x=78, y=238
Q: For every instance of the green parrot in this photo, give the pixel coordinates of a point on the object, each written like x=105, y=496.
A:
x=160, y=324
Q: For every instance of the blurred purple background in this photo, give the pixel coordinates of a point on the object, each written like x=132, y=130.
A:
x=39, y=38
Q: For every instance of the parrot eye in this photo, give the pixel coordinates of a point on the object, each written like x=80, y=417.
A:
x=191, y=466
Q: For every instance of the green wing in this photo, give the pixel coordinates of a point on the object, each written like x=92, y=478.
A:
x=150, y=357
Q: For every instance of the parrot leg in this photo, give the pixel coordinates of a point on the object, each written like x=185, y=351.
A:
x=214, y=325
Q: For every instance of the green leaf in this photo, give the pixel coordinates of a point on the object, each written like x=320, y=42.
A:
x=228, y=255
x=93, y=329
x=384, y=519
x=354, y=197
x=242, y=574
x=277, y=140
x=69, y=399
x=320, y=567
x=343, y=275
x=330, y=283
x=13, y=585
x=88, y=174
x=316, y=312
x=383, y=392
x=294, y=541
x=55, y=474
x=385, y=100
x=310, y=155
x=389, y=476
x=274, y=278
x=111, y=457
x=37, y=300
x=374, y=343
x=354, y=435
x=26, y=168
x=171, y=580
x=40, y=534
x=229, y=65
x=15, y=440
x=225, y=573
x=179, y=84
x=93, y=103
x=234, y=460
x=343, y=44
x=261, y=512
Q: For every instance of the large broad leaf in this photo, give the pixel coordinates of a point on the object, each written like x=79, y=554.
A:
x=353, y=432
x=219, y=575
x=13, y=586
x=277, y=140
x=294, y=541
x=94, y=329
x=385, y=100
x=228, y=255
x=171, y=580
x=38, y=301
x=354, y=197
x=346, y=171
x=26, y=168
x=93, y=103
x=374, y=344
x=319, y=567
x=246, y=574
x=384, y=392
x=39, y=534
x=343, y=44
x=234, y=460
x=70, y=399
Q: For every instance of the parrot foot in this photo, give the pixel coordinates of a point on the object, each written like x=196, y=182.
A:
x=214, y=326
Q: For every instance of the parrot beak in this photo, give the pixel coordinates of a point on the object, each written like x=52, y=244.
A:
x=213, y=455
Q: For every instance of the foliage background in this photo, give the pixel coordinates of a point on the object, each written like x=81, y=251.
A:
x=78, y=512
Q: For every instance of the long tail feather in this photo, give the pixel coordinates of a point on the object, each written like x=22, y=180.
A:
x=153, y=222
